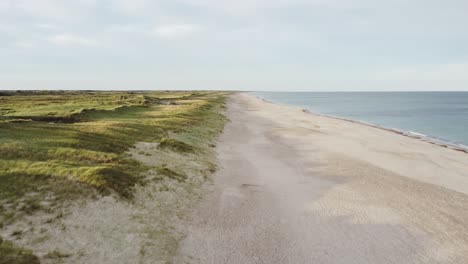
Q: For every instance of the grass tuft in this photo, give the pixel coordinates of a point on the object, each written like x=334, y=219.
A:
x=175, y=145
x=56, y=255
x=171, y=173
x=10, y=254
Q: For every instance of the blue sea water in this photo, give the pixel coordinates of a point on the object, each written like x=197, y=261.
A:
x=439, y=115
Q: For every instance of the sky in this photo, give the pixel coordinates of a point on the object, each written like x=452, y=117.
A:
x=273, y=45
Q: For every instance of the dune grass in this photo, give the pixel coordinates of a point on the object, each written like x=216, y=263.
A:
x=10, y=254
x=58, y=146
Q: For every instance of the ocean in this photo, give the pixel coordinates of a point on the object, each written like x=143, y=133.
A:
x=442, y=116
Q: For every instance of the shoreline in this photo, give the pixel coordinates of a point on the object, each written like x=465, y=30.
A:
x=405, y=155
x=299, y=188
x=411, y=134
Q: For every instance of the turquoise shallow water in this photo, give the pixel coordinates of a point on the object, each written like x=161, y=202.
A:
x=439, y=115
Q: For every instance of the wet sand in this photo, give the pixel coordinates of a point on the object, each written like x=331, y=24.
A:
x=295, y=187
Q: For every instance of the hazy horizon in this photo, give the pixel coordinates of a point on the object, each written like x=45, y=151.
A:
x=232, y=90
x=257, y=45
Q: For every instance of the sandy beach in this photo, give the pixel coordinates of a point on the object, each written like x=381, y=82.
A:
x=296, y=187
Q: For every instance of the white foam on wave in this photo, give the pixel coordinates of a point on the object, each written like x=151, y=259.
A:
x=430, y=139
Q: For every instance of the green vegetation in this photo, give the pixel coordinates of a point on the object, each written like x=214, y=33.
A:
x=56, y=255
x=10, y=254
x=175, y=145
x=58, y=146
x=171, y=173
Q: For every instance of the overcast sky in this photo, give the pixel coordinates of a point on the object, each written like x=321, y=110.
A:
x=288, y=45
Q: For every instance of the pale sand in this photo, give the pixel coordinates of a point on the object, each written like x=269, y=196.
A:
x=109, y=230
x=295, y=187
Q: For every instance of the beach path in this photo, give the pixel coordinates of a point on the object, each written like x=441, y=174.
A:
x=294, y=187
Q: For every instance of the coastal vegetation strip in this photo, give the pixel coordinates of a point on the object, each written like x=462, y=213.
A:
x=61, y=146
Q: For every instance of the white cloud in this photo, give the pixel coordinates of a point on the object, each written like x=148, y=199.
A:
x=240, y=7
x=253, y=7
x=24, y=44
x=128, y=29
x=5, y=28
x=174, y=31
x=303, y=43
x=167, y=31
x=46, y=26
x=133, y=6
x=5, y=4
x=72, y=40
x=55, y=9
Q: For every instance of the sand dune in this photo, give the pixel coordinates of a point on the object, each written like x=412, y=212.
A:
x=296, y=187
